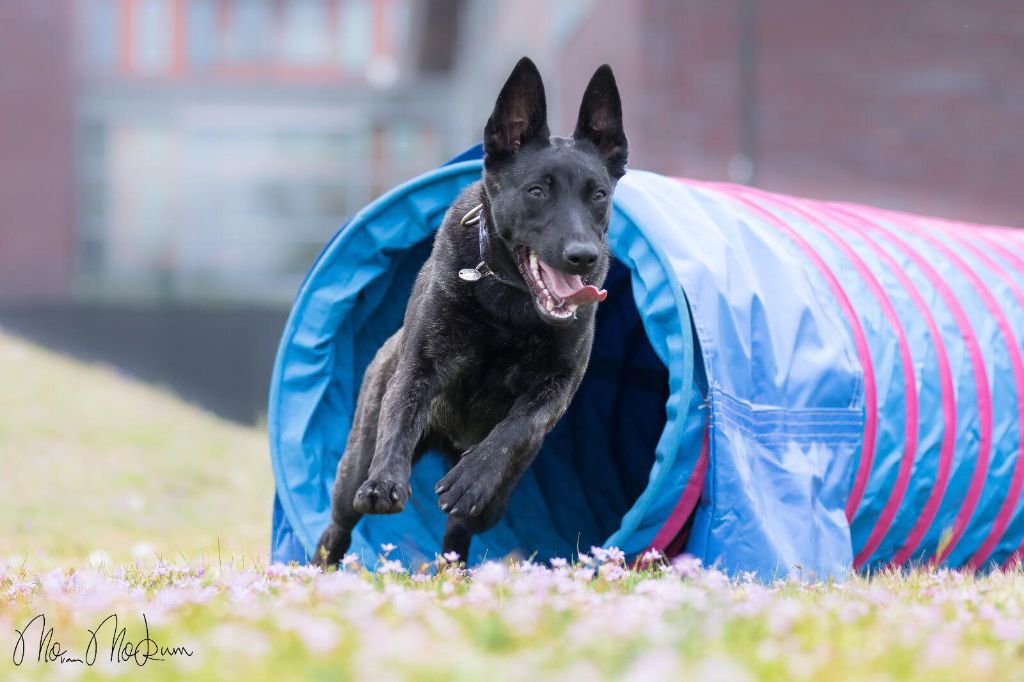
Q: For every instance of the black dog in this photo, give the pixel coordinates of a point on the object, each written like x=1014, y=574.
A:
x=498, y=331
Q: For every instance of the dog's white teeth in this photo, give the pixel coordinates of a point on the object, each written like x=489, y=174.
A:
x=573, y=307
x=549, y=305
x=533, y=261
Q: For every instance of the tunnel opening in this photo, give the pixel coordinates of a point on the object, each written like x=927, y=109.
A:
x=612, y=471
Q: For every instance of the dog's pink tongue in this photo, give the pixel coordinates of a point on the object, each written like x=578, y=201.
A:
x=570, y=288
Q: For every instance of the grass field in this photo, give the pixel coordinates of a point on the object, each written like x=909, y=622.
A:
x=117, y=499
x=94, y=463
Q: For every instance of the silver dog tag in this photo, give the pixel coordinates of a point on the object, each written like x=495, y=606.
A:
x=469, y=274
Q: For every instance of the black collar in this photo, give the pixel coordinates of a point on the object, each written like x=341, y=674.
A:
x=475, y=216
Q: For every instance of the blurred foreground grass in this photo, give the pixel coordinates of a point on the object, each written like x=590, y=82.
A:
x=95, y=463
x=591, y=621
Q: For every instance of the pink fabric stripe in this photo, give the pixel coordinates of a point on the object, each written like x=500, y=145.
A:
x=1008, y=240
x=977, y=363
x=1015, y=234
x=1018, y=263
x=687, y=501
x=910, y=414
x=1002, y=520
x=1016, y=260
x=946, y=388
x=859, y=341
x=1015, y=251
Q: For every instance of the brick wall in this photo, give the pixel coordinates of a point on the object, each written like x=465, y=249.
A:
x=36, y=174
x=912, y=105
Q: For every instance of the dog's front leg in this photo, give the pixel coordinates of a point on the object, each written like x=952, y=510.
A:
x=403, y=418
x=487, y=471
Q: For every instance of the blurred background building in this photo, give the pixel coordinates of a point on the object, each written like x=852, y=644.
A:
x=170, y=168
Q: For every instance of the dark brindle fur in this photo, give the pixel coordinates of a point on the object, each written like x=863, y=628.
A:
x=481, y=370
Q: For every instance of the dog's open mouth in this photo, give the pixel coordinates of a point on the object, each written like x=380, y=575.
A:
x=558, y=294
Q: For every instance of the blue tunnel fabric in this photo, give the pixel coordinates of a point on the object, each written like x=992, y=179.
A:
x=849, y=369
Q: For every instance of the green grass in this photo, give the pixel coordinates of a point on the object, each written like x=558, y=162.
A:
x=520, y=621
x=95, y=464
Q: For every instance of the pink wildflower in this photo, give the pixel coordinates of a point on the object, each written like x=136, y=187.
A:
x=687, y=565
x=615, y=555
x=490, y=573
x=584, y=574
x=612, y=572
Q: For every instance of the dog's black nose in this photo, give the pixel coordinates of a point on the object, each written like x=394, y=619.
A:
x=581, y=256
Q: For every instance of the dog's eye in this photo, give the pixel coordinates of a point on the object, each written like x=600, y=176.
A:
x=536, y=191
x=600, y=195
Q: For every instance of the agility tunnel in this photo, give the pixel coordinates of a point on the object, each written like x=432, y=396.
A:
x=777, y=385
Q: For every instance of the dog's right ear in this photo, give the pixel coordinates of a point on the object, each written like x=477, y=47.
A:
x=520, y=115
x=600, y=121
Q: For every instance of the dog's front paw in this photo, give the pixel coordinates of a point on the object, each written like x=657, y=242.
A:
x=331, y=547
x=381, y=496
x=465, y=490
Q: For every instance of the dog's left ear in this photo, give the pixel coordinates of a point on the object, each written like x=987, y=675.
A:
x=600, y=121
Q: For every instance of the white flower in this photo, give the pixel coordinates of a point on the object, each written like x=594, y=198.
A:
x=98, y=558
x=143, y=550
x=390, y=566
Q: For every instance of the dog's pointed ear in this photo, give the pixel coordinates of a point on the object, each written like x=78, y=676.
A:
x=520, y=115
x=600, y=121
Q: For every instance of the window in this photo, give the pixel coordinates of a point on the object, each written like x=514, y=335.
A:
x=152, y=36
x=202, y=33
x=92, y=197
x=397, y=17
x=250, y=35
x=355, y=34
x=102, y=40
x=403, y=143
x=306, y=32
x=141, y=209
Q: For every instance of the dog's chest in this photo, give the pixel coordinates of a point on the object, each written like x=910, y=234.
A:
x=483, y=383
